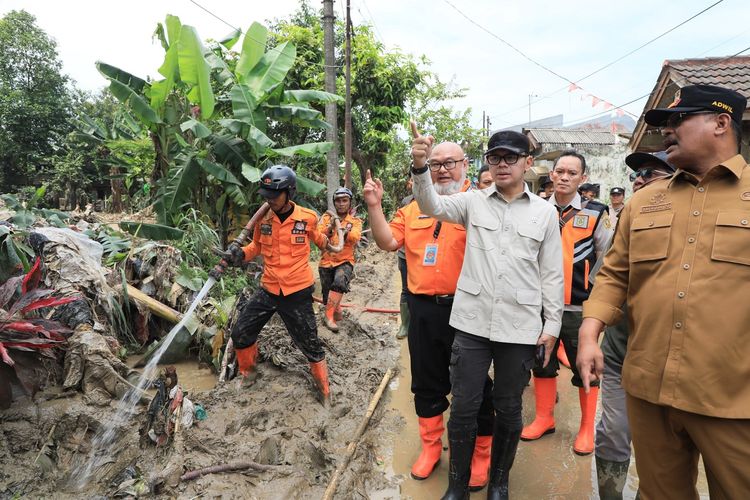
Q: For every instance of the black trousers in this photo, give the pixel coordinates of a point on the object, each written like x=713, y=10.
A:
x=296, y=312
x=335, y=278
x=470, y=362
x=430, y=344
x=571, y=322
x=404, y=282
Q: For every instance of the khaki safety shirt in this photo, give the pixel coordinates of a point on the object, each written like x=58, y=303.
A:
x=681, y=258
x=512, y=271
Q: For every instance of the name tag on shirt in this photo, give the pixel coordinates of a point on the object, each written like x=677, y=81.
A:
x=581, y=221
x=430, y=254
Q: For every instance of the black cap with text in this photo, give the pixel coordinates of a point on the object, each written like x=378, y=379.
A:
x=692, y=98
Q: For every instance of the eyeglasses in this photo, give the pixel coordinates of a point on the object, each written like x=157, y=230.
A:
x=647, y=173
x=448, y=164
x=676, y=119
x=510, y=159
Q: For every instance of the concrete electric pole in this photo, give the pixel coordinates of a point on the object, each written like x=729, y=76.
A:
x=332, y=170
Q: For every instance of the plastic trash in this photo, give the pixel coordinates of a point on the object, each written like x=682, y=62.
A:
x=200, y=413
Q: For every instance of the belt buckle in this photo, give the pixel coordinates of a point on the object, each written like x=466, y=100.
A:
x=443, y=299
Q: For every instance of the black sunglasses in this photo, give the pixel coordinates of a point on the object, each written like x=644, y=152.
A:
x=675, y=119
x=647, y=173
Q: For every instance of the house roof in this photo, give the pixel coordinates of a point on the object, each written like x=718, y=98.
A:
x=731, y=72
x=564, y=136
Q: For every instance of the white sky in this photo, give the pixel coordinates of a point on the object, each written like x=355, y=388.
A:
x=573, y=38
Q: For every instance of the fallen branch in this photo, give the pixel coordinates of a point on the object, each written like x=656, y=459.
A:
x=229, y=467
x=357, y=435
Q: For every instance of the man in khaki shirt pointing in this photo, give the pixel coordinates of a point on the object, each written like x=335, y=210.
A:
x=681, y=259
x=512, y=269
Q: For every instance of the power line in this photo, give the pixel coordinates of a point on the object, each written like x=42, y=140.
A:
x=649, y=42
x=649, y=93
x=374, y=24
x=611, y=63
x=505, y=42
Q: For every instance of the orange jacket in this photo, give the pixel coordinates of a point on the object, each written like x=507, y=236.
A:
x=415, y=231
x=286, y=250
x=349, y=223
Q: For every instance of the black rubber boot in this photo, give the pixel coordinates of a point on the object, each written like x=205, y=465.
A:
x=461, y=439
x=504, y=445
x=611, y=477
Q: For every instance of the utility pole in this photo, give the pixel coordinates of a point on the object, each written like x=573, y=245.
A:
x=530, y=96
x=332, y=169
x=348, y=99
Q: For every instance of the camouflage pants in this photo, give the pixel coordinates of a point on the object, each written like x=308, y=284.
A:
x=296, y=312
x=335, y=278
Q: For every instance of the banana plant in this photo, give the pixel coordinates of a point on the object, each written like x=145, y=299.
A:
x=208, y=117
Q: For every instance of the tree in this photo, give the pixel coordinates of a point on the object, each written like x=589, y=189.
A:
x=382, y=81
x=35, y=101
x=209, y=118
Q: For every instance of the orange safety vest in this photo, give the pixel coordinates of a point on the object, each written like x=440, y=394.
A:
x=579, y=250
x=349, y=223
x=415, y=231
x=286, y=250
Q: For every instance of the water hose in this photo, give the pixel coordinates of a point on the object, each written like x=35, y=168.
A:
x=339, y=231
x=244, y=235
x=363, y=308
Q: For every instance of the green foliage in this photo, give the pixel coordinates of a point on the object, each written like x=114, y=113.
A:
x=156, y=232
x=209, y=119
x=35, y=102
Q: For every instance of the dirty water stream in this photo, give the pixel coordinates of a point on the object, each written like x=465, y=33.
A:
x=126, y=406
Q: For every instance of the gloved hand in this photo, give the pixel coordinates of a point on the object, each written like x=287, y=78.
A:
x=233, y=255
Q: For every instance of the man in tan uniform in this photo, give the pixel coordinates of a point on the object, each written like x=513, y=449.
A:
x=680, y=259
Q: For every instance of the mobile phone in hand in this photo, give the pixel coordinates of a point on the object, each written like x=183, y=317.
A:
x=539, y=356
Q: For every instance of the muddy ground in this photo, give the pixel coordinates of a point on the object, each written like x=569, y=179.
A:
x=278, y=422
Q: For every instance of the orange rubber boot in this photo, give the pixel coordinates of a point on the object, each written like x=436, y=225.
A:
x=545, y=391
x=480, y=463
x=430, y=431
x=246, y=360
x=562, y=357
x=584, y=443
x=334, y=300
x=319, y=372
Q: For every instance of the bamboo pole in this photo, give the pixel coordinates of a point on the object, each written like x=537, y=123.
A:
x=357, y=436
x=153, y=305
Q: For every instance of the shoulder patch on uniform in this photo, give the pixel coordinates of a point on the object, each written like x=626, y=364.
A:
x=349, y=225
x=581, y=221
x=423, y=216
x=607, y=223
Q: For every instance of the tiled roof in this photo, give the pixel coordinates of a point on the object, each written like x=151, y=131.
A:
x=732, y=72
x=570, y=136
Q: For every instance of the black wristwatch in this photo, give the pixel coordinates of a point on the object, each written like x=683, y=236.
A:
x=418, y=171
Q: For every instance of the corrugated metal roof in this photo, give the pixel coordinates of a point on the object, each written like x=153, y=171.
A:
x=571, y=136
x=732, y=72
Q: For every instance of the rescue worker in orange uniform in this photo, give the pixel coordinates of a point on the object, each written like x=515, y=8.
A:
x=336, y=269
x=434, y=255
x=283, y=238
x=586, y=233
